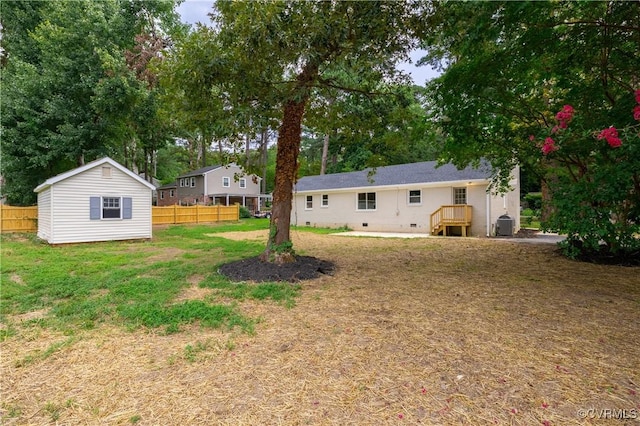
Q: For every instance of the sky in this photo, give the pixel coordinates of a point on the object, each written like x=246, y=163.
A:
x=193, y=11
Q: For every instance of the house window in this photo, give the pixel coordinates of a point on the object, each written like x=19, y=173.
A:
x=309, y=202
x=111, y=208
x=193, y=182
x=366, y=201
x=162, y=195
x=325, y=200
x=243, y=183
x=171, y=193
x=226, y=182
x=459, y=195
x=415, y=196
x=181, y=183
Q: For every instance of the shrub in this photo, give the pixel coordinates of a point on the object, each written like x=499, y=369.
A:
x=244, y=213
x=593, y=178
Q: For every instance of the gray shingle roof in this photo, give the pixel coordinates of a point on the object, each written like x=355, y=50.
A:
x=414, y=173
x=200, y=171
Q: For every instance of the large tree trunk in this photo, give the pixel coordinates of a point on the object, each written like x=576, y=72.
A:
x=325, y=152
x=279, y=248
x=279, y=244
x=265, y=159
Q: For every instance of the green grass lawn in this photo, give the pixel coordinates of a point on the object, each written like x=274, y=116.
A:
x=134, y=284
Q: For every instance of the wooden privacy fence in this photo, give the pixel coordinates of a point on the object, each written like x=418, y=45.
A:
x=194, y=214
x=25, y=219
x=18, y=219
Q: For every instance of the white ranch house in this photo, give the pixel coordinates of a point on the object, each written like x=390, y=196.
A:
x=100, y=201
x=417, y=197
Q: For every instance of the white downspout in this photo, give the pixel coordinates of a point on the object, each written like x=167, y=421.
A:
x=488, y=213
x=206, y=193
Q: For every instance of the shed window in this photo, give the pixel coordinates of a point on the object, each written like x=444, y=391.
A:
x=415, y=196
x=110, y=208
x=226, y=182
x=325, y=200
x=366, y=201
x=309, y=202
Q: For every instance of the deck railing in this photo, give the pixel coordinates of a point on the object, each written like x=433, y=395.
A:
x=451, y=215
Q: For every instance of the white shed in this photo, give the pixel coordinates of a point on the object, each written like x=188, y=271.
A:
x=100, y=201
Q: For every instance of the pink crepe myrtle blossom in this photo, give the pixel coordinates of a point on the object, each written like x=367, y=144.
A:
x=564, y=116
x=636, y=113
x=549, y=146
x=611, y=136
x=637, y=94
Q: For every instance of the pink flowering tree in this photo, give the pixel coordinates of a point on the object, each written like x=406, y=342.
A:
x=592, y=177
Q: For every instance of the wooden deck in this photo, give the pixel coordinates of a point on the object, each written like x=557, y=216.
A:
x=451, y=215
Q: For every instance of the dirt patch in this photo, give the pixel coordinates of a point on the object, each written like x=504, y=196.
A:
x=253, y=269
x=193, y=293
x=29, y=316
x=243, y=236
x=170, y=253
x=16, y=279
x=426, y=331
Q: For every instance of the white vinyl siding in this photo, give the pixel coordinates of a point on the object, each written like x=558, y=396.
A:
x=218, y=182
x=71, y=208
x=44, y=214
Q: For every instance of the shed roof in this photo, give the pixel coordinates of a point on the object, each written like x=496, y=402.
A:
x=402, y=174
x=105, y=160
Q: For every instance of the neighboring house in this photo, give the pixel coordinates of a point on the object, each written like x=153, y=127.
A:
x=167, y=195
x=224, y=185
x=100, y=201
x=418, y=197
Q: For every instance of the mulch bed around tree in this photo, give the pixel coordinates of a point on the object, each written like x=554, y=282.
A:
x=253, y=269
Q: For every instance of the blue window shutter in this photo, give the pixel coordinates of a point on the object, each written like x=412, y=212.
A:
x=94, y=208
x=127, y=208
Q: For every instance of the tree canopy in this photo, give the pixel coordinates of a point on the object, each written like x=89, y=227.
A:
x=283, y=56
x=69, y=94
x=510, y=68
